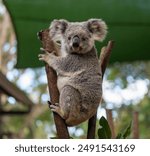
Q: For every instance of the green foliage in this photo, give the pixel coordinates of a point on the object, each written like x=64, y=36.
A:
x=104, y=132
x=119, y=136
x=125, y=133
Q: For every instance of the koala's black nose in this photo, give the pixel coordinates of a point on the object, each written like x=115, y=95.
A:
x=76, y=42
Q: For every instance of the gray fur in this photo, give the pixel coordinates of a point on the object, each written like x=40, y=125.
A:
x=79, y=73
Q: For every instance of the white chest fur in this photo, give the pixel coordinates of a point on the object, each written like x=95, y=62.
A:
x=62, y=81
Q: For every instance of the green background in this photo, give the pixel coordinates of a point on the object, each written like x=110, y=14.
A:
x=128, y=22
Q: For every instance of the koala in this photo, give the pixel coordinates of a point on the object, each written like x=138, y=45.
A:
x=78, y=70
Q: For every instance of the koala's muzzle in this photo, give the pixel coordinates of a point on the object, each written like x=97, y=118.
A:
x=75, y=41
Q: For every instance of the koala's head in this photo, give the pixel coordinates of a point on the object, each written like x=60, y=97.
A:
x=78, y=37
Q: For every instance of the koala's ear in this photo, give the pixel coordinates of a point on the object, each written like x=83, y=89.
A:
x=98, y=28
x=58, y=28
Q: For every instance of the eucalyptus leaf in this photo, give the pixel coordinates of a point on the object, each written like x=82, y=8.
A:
x=127, y=132
x=119, y=136
x=104, y=131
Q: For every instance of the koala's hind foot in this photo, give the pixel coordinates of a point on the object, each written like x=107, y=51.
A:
x=49, y=103
x=57, y=109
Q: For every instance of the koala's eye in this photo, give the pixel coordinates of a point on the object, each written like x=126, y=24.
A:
x=56, y=27
x=69, y=38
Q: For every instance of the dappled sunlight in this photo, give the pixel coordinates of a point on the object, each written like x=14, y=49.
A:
x=133, y=93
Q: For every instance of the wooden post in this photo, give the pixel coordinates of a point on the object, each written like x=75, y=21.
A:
x=61, y=128
x=110, y=122
x=135, y=125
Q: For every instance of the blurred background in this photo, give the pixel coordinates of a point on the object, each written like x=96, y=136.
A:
x=23, y=85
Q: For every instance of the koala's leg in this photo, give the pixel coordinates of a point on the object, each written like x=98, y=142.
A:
x=69, y=105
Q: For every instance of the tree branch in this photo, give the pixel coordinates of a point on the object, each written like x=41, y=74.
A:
x=104, y=59
x=91, y=127
x=135, y=125
x=105, y=55
x=2, y=112
x=62, y=131
x=111, y=122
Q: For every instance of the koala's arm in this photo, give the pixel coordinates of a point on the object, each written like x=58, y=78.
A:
x=56, y=62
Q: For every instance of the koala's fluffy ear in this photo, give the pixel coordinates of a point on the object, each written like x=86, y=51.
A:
x=57, y=28
x=98, y=28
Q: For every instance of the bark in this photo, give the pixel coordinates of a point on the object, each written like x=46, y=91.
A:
x=110, y=122
x=135, y=125
x=48, y=44
x=91, y=127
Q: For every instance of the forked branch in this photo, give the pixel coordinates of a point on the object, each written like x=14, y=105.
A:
x=47, y=43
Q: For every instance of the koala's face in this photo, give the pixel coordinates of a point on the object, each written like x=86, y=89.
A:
x=78, y=37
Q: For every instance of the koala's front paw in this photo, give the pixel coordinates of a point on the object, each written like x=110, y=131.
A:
x=44, y=57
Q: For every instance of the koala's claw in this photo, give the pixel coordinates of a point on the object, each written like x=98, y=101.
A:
x=44, y=57
x=49, y=103
x=56, y=108
x=46, y=50
x=41, y=57
x=43, y=50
